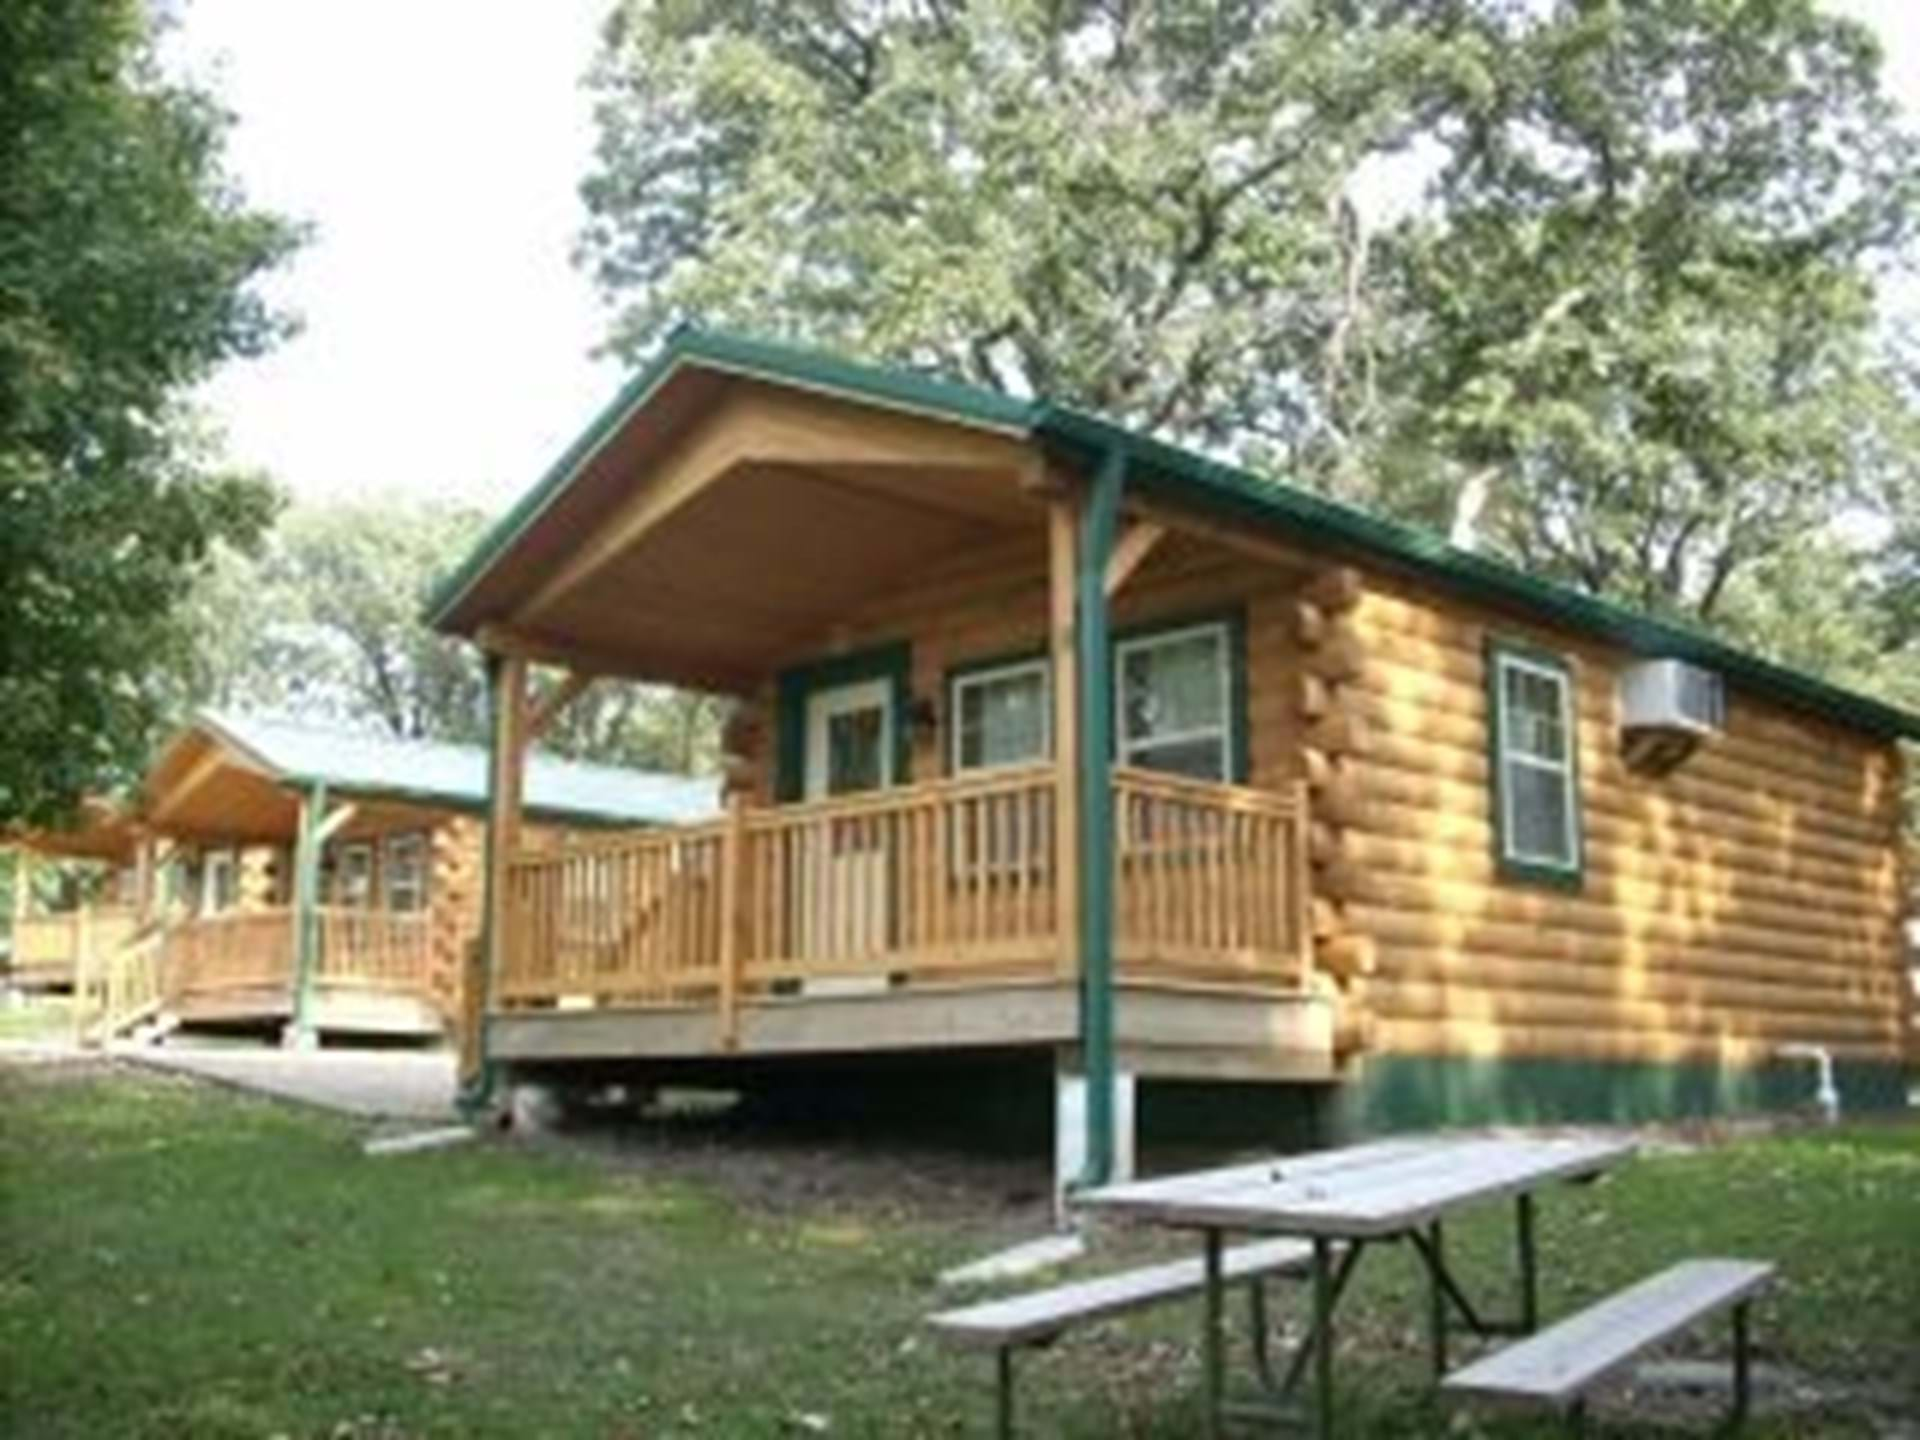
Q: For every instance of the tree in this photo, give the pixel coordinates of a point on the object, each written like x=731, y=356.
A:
x=1648, y=349
x=1138, y=207
x=333, y=600
x=1630, y=337
x=127, y=256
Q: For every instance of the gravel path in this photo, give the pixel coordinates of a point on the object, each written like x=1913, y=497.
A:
x=377, y=1084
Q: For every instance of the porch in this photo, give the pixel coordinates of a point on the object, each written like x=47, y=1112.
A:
x=922, y=916
x=1016, y=759
x=373, y=972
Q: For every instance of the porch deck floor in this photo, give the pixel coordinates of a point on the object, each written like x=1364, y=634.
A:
x=1160, y=1030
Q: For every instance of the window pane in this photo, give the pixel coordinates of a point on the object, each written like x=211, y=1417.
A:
x=854, y=761
x=1537, y=828
x=1003, y=719
x=1204, y=759
x=1533, y=703
x=1173, y=687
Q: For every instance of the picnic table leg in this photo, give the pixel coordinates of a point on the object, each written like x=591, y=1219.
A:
x=1529, y=1271
x=1323, y=1336
x=1214, y=1341
x=1257, y=1320
x=1003, y=1401
x=1742, y=1378
x=1436, y=1300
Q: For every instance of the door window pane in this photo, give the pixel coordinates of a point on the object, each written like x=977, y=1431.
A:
x=854, y=756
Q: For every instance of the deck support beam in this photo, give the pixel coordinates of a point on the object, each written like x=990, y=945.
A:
x=508, y=735
x=1099, y=525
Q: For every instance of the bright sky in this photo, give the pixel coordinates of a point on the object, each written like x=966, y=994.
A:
x=436, y=146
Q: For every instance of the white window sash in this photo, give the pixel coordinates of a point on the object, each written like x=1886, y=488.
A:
x=1220, y=733
x=1562, y=769
x=976, y=678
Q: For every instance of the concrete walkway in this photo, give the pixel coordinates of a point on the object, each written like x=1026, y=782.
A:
x=375, y=1084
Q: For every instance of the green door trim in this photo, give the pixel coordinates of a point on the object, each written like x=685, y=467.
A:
x=797, y=685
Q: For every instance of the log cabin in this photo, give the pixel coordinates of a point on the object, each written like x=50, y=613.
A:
x=1055, y=740
x=272, y=874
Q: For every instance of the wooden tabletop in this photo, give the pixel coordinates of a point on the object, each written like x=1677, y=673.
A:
x=1361, y=1191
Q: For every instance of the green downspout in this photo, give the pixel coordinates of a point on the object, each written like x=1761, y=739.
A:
x=306, y=922
x=1099, y=524
x=476, y=1091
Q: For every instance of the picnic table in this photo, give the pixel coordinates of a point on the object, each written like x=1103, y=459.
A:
x=1344, y=1202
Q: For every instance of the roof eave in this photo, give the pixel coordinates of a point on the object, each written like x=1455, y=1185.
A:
x=1241, y=495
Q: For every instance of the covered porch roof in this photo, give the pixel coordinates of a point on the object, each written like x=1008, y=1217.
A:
x=741, y=497
x=721, y=520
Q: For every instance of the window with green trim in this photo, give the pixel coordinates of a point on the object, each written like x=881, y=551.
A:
x=1536, y=776
x=1002, y=715
x=1173, y=698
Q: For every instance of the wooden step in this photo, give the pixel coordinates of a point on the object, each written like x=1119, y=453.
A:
x=1555, y=1366
x=1042, y=1314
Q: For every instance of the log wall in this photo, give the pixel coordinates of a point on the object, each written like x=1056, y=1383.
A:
x=1751, y=897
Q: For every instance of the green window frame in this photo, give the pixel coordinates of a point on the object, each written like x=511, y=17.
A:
x=1533, y=752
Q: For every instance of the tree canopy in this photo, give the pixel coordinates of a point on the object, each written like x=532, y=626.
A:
x=127, y=262
x=333, y=597
x=1624, y=326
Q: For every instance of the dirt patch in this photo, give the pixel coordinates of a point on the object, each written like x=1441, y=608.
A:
x=767, y=1172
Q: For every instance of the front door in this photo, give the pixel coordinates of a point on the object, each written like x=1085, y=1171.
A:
x=850, y=749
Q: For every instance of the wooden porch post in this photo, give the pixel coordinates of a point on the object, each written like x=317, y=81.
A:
x=1098, y=525
x=508, y=733
x=1063, y=537
x=306, y=926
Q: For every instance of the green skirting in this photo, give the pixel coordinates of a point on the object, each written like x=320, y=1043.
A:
x=1410, y=1092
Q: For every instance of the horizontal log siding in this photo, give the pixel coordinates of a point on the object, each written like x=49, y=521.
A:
x=1750, y=898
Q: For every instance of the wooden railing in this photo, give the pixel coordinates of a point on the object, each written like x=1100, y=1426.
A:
x=924, y=882
x=949, y=881
x=388, y=949
x=115, y=990
x=1211, y=880
x=238, y=950
x=57, y=942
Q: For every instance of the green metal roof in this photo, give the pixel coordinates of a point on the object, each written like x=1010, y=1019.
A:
x=1182, y=476
x=454, y=777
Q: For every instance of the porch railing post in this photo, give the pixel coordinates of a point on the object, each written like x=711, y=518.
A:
x=733, y=917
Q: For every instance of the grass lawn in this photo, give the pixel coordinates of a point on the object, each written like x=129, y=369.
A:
x=180, y=1261
x=37, y=1018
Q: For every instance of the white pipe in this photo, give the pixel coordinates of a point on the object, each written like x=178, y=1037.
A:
x=1826, y=1094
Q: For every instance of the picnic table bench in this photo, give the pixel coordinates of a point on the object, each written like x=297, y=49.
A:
x=1559, y=1365
x=1040, y=1317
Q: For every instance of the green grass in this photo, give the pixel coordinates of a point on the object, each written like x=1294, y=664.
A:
x=180, y=1261
x=38, y=1018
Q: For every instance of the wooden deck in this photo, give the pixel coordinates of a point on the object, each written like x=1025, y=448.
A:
x=47, y=948
x=924, y=916
x=375, y=972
